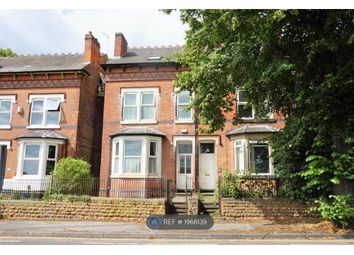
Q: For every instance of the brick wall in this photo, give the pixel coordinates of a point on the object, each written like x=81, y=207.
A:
x=275, y=209
x=99, y=209
x=20, y=121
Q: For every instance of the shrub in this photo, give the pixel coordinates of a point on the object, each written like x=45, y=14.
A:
x=71, y=176
x=339, y=209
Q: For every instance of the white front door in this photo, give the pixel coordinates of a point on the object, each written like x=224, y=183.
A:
x=207, y=166
x=184, y=165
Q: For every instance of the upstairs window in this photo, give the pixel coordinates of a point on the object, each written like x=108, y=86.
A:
x=45, y=111
x=244, y=111
x=5, y=110
x=183, y=100
x=139, y=105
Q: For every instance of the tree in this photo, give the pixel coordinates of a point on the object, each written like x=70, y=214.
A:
x=299, y=63
x=7, y=53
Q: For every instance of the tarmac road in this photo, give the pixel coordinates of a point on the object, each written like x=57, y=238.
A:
x=91, y=241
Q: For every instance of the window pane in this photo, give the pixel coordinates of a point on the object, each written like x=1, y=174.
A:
x=117, y=148
x=184, y=148
x=183, y=97
x=30, y=167
x=51, y=152
x=116, y=165
x=182, y=114
x=244, y=111
x=36, y=118
x=148, y=112
x=188, y=164
x=147, y=98
x=130, y=99
x=37, y=105
x=53, y=104
x=129, y=113
x=4, y=118
x=239, y=160
x=260, y=159
x=32, y=151
x=152, y=165
x=132, y=148
x=132, y=165
x=53, y=118
x=50, y=167
x=207, y=148
x=182, y=163
x=5, y=106
x=152, y=148
x=242, y=96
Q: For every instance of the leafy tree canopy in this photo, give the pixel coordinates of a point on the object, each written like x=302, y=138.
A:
x=299, y=63
x=7, y=53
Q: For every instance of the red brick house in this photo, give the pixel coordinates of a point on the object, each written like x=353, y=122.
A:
x=49, y=109
x=148, y=136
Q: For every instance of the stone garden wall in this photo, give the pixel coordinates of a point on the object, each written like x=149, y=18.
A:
x=100, y=209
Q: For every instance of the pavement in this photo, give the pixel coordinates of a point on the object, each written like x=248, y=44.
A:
x=127, y=230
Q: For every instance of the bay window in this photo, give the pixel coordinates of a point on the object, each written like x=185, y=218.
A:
x=136, y=156
x=252, y=157
x=139, y=104
x=259, y=158
x=37, y=157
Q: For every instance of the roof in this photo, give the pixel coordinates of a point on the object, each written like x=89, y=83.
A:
x=141, y=55
x=44, y=63
x=138, y=131
x=42, y=134
x=252, y=129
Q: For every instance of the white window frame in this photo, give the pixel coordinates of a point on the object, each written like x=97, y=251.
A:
x=11, y=98
x=125, y=156
x=45, y=98
x=144, y=157
x=43, y=154
x=269, y=115
x=152, y=156
x=139, y=92
x=184, y=155
x=177, y=104
x=256, y=144
x=242, y=145
x=244, y=103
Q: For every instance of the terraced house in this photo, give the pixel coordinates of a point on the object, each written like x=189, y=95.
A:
x=149, y=136
x=50, y=108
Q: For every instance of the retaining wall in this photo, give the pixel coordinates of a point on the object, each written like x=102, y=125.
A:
x=100, y=209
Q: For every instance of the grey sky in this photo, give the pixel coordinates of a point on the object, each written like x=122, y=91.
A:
x=57, y=31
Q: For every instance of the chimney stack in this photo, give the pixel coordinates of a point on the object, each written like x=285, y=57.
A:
x=120, y=45
x=92, y=48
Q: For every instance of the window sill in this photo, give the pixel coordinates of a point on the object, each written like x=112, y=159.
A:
x=5, y=127
x=31, y=177
x=135, y=177
x=44, y=127
x=184, y=121
x=245, y=120
x=138, y=122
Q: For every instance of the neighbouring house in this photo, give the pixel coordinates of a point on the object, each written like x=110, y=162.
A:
x=50, y=107
x=149, y=137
